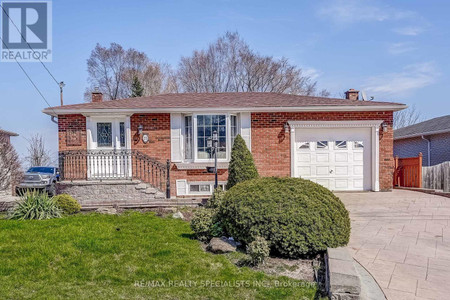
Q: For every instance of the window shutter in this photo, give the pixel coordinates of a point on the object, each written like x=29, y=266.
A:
x=246, y=129
x=175, y=138
x=181, y=187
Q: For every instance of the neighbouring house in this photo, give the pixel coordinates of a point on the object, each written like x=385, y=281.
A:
x=5, y=136
x=431, y=138
x=5, y=152
x=343, y=144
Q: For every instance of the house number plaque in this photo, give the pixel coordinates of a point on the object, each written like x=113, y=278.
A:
x=145, y=138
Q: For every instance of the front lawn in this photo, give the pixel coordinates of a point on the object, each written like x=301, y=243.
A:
x=129, y=256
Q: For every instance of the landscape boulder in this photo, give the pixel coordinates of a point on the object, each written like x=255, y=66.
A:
x=178, y=215
x=221, y=245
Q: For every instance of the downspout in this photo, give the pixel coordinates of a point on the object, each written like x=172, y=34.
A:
x=428, y=149
x=53, y=120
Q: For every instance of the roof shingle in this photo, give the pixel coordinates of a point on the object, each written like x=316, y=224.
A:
x=219, y=100
x=436, y=125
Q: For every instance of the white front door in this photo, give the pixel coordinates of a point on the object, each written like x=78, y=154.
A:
x=108, y=142
x=335, y=164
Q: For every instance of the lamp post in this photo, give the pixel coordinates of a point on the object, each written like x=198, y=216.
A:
x=212, y=144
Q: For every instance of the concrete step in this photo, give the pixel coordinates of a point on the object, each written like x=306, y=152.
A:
x=141, y=186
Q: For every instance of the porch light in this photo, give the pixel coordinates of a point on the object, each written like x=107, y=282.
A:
x=384, y=126
x=286, y=127
x=140, y=129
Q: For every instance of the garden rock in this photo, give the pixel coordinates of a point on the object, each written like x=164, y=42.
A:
x=178, y=215
x=221, y=245
x=107, y=210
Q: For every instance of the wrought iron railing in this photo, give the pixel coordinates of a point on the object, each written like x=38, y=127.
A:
x=114, y=165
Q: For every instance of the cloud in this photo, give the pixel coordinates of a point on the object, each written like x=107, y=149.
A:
x=410, y=78
x=410, y=31
x=312, y=73
x=352, y=11
x=400, y=48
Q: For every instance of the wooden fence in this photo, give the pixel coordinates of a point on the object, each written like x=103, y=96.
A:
x=437, y=177
x=408, y=171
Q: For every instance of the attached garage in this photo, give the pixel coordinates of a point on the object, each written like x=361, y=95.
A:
x=341, y=156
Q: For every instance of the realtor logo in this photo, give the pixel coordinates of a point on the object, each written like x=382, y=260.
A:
x=26, y=31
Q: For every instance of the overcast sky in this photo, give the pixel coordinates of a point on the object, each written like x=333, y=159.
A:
x=393, y=50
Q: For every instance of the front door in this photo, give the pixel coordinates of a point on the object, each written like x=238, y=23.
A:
x=108, y=155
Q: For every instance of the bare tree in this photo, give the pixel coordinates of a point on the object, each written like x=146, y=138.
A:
x=407, y=117
x=38, y=154
x=113, y=70
x=229, y=65
x=10, y=168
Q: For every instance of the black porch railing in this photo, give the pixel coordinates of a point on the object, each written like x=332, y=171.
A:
x=114, y=165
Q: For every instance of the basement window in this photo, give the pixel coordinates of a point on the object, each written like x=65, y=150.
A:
x=203, y=188
x=199, y=188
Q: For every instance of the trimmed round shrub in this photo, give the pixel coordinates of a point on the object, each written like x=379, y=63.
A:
x=67, y=204
x=201, y=224
x=258, y=250
x=35, y=206
x=296, y=216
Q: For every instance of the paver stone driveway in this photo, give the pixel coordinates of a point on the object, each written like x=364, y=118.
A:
x=403, y=239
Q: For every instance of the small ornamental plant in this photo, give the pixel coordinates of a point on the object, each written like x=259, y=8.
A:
x=35, y=206
x=201, y=224
x=258, y=250
x=67, y=204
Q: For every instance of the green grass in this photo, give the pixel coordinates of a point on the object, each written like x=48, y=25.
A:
x=128, y=256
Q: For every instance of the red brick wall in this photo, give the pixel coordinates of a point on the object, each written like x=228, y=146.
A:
x=72, y=132
x=271, y=145
x=157, y=126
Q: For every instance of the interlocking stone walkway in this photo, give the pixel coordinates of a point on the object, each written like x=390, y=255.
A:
x=403, y=239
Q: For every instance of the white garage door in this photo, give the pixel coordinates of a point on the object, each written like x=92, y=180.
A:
x=335, y=164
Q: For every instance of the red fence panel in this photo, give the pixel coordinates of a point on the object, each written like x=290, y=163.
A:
x=408, y=171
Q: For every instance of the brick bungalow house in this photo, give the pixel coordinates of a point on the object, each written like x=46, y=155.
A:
x=431, y=138
x=343, y=144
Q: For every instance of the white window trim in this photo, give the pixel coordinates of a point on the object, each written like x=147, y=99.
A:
x=195, y=141
x=374, y=125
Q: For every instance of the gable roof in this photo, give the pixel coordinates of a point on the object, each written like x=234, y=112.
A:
x=245, y=101
x=433, y=126
x=9, y=133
